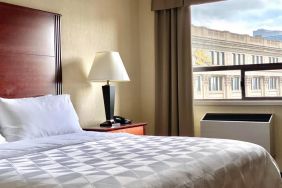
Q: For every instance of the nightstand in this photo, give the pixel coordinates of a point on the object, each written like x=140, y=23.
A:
x=133, y=128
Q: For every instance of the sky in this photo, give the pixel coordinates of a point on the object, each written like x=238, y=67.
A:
x=239, y=16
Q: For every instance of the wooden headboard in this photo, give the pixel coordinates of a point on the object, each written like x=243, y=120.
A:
x=30, y=52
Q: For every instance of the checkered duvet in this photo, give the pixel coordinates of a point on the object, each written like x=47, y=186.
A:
x=106, y=160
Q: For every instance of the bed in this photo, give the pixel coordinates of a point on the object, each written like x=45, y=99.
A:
x=30, y=66
x=90, y=159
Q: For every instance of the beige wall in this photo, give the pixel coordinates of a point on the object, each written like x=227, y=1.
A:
x=89, y=26
x=147, y=59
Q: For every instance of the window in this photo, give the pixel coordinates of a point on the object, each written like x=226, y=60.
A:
x=257, y=59
x=272, y=60
x=217, y=58
x=215, y=83
x=238, y=59
x=244, y=59
x=235, y=83
x=256, y=83
x=234, y=59
x=273, y=83
x=253, y=59
x=212, y=57
x=198, y=83
x=222, y=58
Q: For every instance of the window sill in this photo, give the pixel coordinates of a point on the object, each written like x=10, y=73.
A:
x=238, y=102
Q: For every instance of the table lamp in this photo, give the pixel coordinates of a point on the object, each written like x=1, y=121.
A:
x=108, y=67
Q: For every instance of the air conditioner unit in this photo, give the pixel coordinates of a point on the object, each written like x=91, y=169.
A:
x=255, y=128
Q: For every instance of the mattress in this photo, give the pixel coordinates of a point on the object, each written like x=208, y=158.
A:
x=107, y=160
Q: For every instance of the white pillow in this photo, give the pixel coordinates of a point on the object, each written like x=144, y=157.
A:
x=2, y=139
x=29, y=118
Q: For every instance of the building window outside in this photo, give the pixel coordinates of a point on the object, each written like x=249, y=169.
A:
x=256, y=83
x=238, y=59
x=217, y=58
x=243, y=59
x=257, y=59
x=273, y=83
x=222, y=58
x=198, y=84
x=215, y=83
x=212, y=57
x=235, y=83
x=254, y=59
x=272, y=60
x=234, y=59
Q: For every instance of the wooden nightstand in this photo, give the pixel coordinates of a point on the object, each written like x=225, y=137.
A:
x=133, y=128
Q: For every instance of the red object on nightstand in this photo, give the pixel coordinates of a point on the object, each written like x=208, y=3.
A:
x=133, y=128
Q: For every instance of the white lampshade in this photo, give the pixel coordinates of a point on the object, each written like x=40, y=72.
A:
x=108, y=66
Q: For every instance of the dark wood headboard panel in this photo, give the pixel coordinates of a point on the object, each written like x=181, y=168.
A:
x=30, y=52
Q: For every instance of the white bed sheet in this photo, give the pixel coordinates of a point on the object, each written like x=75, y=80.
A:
x=105, y=160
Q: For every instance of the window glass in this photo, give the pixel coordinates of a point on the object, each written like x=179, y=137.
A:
x=217, y=58
x=234, y=59
x=212, y=57
x=265, y=83
x=256, y=83
x=273, y=83
x=198, y=83
x=235, y=83
x=239, y=59
x=217, y=85
x=253, y=59
x=222, y=58
x=232, y=35
x=243, y=59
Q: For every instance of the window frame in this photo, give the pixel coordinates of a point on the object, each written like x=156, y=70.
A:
x=243, y=69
